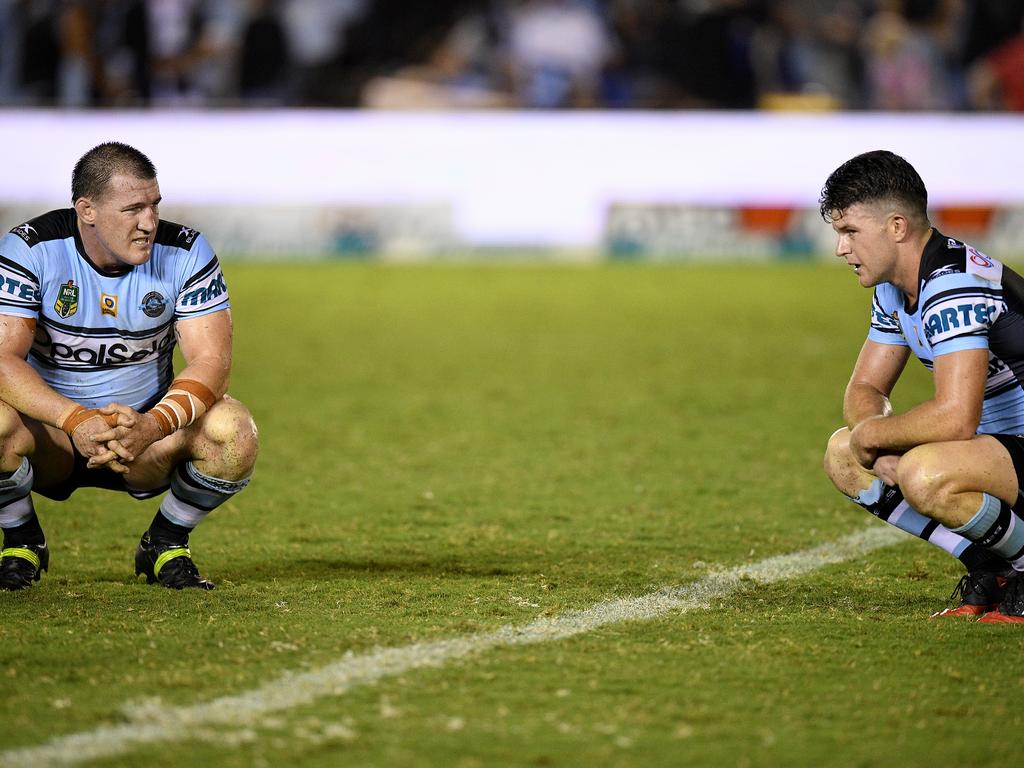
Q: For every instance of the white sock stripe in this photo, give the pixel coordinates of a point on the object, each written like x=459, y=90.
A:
x=17, y=512
x=180, y=512
x=155, y=721
x=897, y=513
x=19, y=484
x=947, y=540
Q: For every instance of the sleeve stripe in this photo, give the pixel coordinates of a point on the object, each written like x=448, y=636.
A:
x=211, y=266
x=18, y=269
x=973, y=292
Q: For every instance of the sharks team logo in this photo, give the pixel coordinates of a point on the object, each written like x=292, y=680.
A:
x=67, y=300
x=153, y=304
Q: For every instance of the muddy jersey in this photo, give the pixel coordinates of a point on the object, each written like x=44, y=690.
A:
x=966, y=300
x=104, y=338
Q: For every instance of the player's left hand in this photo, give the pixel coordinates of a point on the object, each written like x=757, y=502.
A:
x=859, y=445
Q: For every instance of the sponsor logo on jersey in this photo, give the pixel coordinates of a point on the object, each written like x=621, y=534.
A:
x=108, y=304
x=951, y=243
x=961, y=316
x=203, y=294
x=26, y=232
x=66, y=350
x=153, y=304
x=188, y=235
x=980, y=259
x=67, y=300
x=25, y=292
x=948, y=269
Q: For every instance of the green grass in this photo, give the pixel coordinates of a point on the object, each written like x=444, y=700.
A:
x=447, y=450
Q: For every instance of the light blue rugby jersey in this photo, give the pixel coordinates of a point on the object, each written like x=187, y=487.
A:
x=106, y=338
x=967, y=300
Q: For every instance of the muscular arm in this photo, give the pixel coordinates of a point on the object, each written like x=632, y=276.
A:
x=874, y=375
x=953, y=414
x=20, y=386
x=206, y=346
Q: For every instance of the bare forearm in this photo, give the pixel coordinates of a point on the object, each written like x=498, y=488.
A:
x=25, y=391
x=213, y=373
x=930, y=422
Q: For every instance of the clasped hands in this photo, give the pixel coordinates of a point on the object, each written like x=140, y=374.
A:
x=115, y=437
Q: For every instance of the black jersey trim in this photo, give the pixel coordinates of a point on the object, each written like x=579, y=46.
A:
x=52, y=225
x=1002, y=389
x=19, y=269
x=211, y=266
x=176, y=235
x=77, y=330
x=988, y=293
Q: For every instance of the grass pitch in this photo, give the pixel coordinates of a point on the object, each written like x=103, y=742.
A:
x=448, y=450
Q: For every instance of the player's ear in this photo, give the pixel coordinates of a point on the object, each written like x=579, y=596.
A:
x=85, y=210
x=899, y=226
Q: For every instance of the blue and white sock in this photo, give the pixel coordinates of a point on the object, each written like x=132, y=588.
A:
x=17, y=515
x=997, y=528
x=191, y=498
x=886, y=502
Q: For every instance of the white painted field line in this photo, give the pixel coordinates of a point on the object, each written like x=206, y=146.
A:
x=152, y=723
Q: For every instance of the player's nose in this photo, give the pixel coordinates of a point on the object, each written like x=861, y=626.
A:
x=147, y=220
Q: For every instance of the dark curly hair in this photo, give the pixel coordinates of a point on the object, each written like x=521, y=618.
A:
x=99, y=165
x=871, y=177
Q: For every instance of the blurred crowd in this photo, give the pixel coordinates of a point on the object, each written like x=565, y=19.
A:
x=546, y=54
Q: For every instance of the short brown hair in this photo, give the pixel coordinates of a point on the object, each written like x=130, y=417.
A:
x=100, y=164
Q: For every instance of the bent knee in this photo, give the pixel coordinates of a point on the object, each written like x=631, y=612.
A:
x=229, y=421
x=837, y=453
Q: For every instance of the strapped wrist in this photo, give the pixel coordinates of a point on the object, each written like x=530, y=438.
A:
x=80, y=414
x=186, y=400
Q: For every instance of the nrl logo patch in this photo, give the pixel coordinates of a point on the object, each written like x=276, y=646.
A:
x=896, y=319
x=67, y=300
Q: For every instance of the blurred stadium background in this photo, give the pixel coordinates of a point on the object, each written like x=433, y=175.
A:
x=628, y=129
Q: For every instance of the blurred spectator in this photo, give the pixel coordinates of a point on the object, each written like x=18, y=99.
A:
x=905, y=68
x=997, y=80
x=10, y=51
x=40, y=53
x=193, y=53
x=265, y=64
x=316, y=33
x=77, y=72
x=467, y=69
x=557, y=53
x=731, y=54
